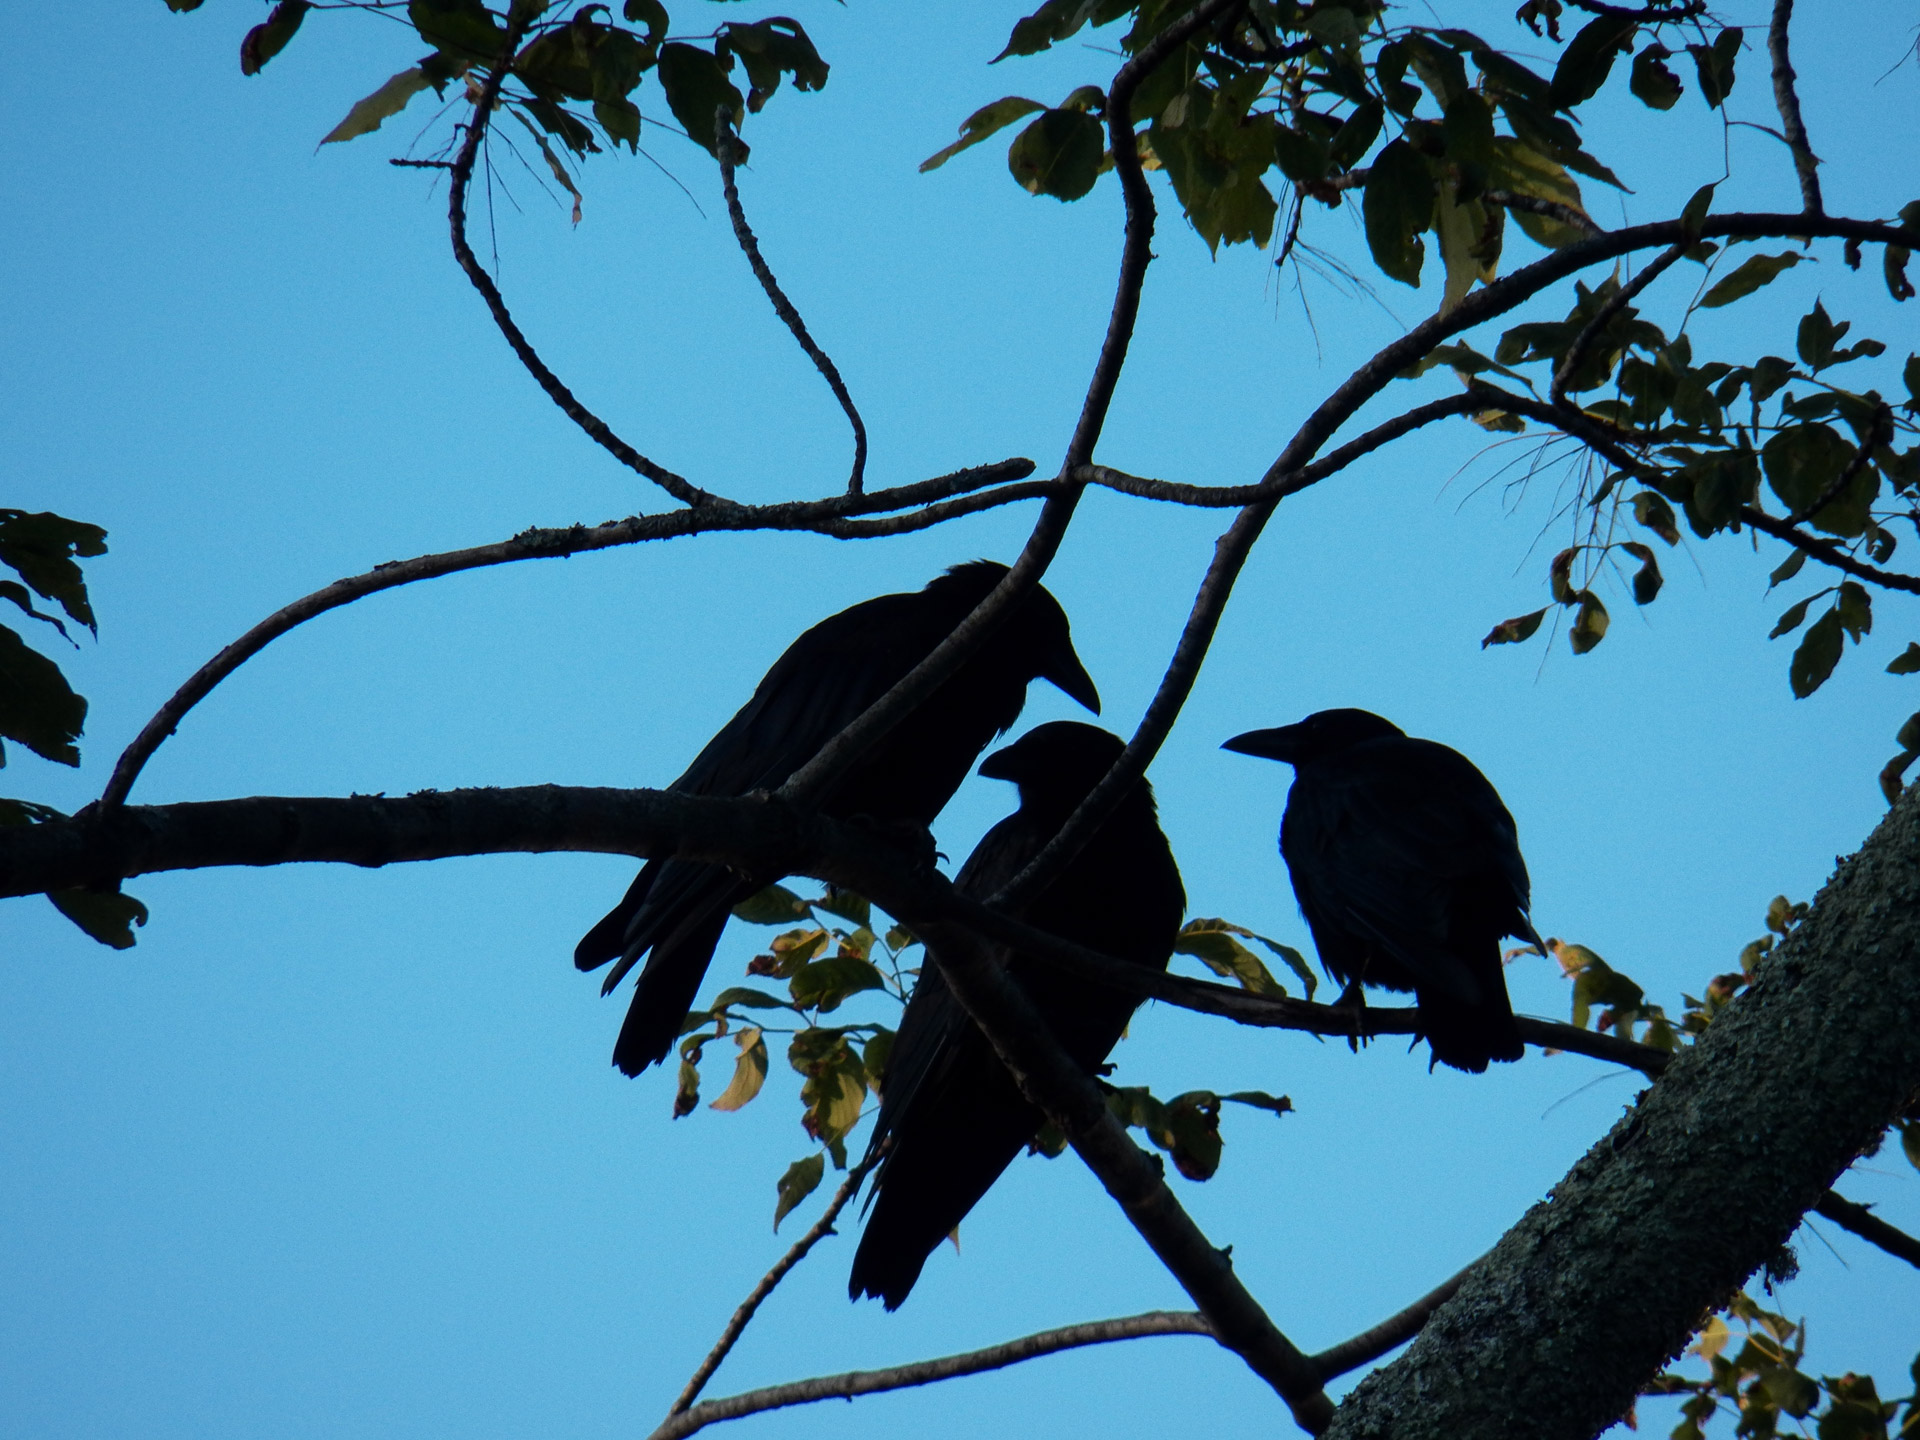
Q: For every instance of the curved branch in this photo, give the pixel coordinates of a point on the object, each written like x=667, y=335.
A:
x=782, y=306
x=927, y=1372
x=768, y=1282
x=1607, y=442
x=1806, y=164
x=602, y=434
x=1369, y=1345
x=818, y=516
x=1576, y=355
x=1552, y=209
x=813, y=779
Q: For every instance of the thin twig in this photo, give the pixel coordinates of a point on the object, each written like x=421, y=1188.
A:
x=1576, y=355
x=783, y=307
x=830, y=516
x=1806, y=164
x=927, y=1372
x=813, y=779
x=1234, y=546
x=1609, y=443
x=1861, y=1220
x=1552, y=209
x=742, y=1317
x=602, y=434
x=1370, y=1344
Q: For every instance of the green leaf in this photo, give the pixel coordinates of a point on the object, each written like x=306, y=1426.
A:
x=1856, y=610
x=37, y=706
x=1802, y=464
x=106, y=915
x=1512, y=632
x=769, y=49
x=1819, y=652
x=1714, y=65
x=987, y=120
x=1910, y=1147
x=465, y=30
x=1211, y=942
x=775, y=905
x=650, y=13
x=1260, y=1100
x=1596, y=983
x=1907, y=662
x=1355, y=136
x=1756, y=271
x=1589, y=623
x=1397, y=207
x=801, y=1180
x=1795, y=615
x=749, y=1072
x=823, y=984
x=1053, y=21
x=41, y=548
x=1523, y=169
x=845, y=904
x=1469, y=234
x=1587, y=60
x=1656, y=514
x=270, y=37
x=1787, y=568
x=875, y=1054
x=389, y=100
x=790, y=950
x=697, y=87
x=749, y=997
x=1819, y=333
x=1654, y=82
x=1647, y=579
x=1058, y=154
x=1302, y=158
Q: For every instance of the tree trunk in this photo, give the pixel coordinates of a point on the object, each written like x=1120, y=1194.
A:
x=1698, y=1186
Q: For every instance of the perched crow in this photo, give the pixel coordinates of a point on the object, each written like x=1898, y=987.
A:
x=827, y=678
x=955, y=1116
x=1408, y=871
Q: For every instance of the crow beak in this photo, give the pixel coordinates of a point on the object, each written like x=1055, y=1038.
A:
x=1000, y=764
x=1071, y=677
x=1267, y=744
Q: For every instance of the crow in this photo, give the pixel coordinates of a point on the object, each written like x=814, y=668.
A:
x=1408, y=871
x=954, y=1116
x=828, y=677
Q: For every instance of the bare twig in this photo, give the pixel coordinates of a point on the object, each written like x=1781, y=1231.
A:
x=602, y=434
x=744, y=1315
x=1646, y=14
x=812, y=780
x=830, y=517
x=1806, y=164
x=1609, y=443
x=1576, y=355
x=782, y=306
x=1552, y=209
x=1369, y=1345
x=926, y=1372
x=1869, y=1227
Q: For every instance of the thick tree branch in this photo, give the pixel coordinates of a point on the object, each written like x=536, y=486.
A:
x=782, y=306
x=602, y=434
x=827, y=517
x=1805, y=163
x=743, y=1316
x=1134, y=1179
x=927, y=1372
x=1556, y=1331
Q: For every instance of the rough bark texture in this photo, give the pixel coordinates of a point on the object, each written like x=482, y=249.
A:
x=1696, y=1187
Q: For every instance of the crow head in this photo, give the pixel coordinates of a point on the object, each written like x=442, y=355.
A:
x=1324, y=733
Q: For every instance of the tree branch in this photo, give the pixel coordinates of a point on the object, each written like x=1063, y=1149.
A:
x=1552, y=209
x=1554, y=1333
x=827, y=517
x=1135, y=1180
x=1805, y=163
x=602, y=434
x=1869, y=1227
x=1369, y=1345
x=813, y=779
x=1583, y=342
x=743, y=1316
x=1882, y=433
x=782, y=306
x=926, y=1372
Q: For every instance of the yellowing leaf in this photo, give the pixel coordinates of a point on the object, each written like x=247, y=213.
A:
x=749, y=1071
x=389, y=100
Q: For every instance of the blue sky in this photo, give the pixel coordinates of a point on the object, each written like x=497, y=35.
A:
x=338, y=1153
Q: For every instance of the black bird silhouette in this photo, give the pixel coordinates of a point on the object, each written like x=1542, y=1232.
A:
x=827, y=678
x=1408, y=871
x=955, y=1117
